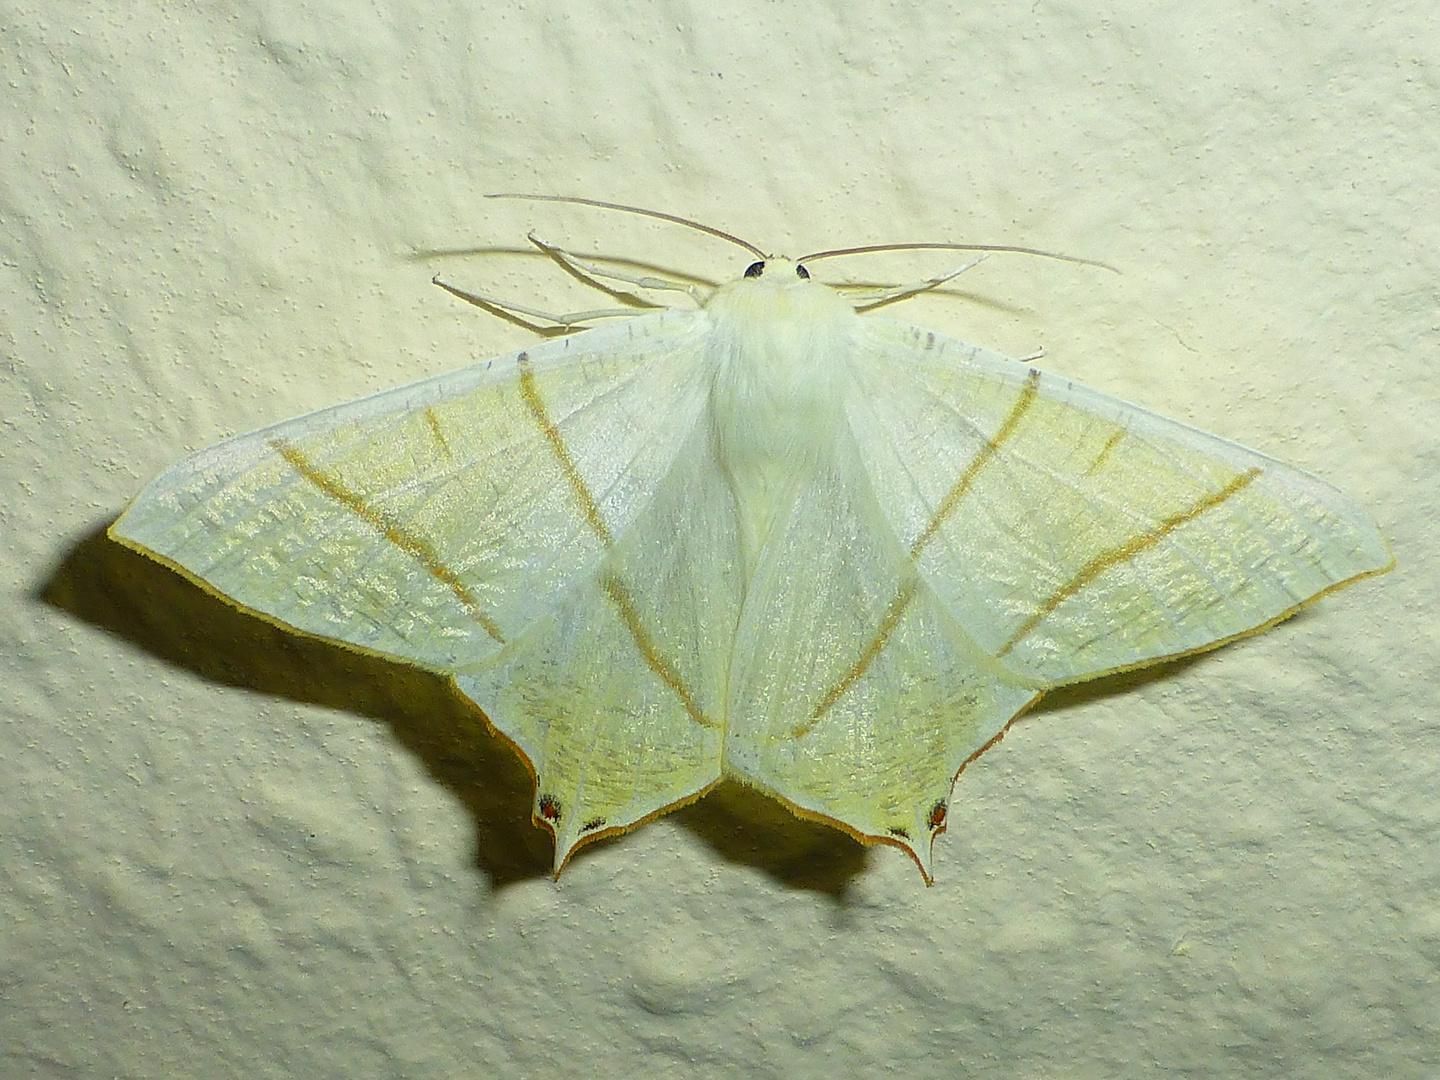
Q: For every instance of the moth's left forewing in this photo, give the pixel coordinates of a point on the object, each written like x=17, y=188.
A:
x=1074, y=534
x=436, y=521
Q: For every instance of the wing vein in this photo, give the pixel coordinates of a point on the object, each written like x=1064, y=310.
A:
x=649, y=651
x=894, y=611
x=1124, y=553
x=392, y=530
x=530, y=391
x=987, y=452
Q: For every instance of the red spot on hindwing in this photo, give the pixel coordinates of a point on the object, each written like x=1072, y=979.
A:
x=937, y=816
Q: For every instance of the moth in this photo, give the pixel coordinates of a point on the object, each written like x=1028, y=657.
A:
x=827, y=553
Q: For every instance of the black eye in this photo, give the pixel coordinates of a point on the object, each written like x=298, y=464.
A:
x=802, y=273
x=755, y=269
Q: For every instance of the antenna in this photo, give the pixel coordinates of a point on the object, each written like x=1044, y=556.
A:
x=871, y=248
x=643, y=213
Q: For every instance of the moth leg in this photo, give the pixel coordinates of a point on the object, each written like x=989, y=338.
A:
x=589, y=272
x=869, y=301
x=520, y=314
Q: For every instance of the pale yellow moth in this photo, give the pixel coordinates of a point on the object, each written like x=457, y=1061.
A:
x=829, y=554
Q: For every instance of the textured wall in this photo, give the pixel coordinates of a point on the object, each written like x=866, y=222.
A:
x=228, y=851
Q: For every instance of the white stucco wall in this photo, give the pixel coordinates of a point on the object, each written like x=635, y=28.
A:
x=225, y=851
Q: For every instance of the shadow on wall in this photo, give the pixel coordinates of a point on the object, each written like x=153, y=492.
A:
x=158, y=610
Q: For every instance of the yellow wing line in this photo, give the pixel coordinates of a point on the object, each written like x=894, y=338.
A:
x=613, y=586
x=414, y=546
x=888, y=622
x=625, y=605
x=905, y=593
x=530, y=391
x=992, y=446
x=1105, y=451
x=1124, y=553
x=434, y=422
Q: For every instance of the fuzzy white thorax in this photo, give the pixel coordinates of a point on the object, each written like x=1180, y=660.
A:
x=779, y=355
